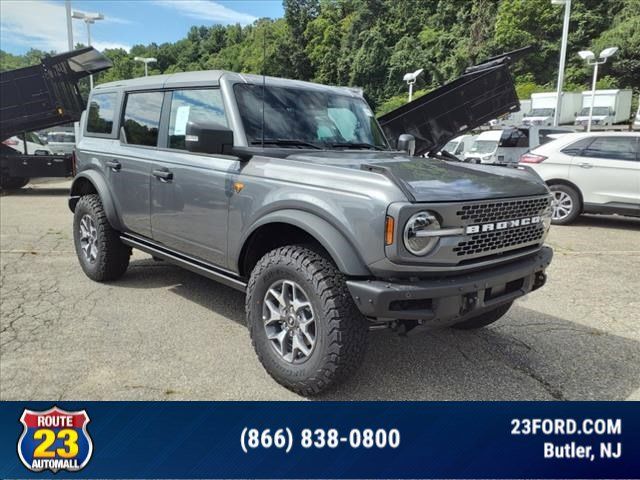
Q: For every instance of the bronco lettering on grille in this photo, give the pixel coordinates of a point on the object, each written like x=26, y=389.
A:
x=490, y=227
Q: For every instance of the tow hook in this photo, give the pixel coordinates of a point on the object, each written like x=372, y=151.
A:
x=539, y=280
x=469, y=301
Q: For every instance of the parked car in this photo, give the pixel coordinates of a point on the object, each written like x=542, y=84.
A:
x=508, y=144
x=61, y=142
x=484, y=147
x=594, y=172
x=460, y=145
x=34, y=145
x=290, y=192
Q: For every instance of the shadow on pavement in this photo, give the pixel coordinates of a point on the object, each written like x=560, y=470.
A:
x=527, y=355
x=28, y=192
x=607, y=221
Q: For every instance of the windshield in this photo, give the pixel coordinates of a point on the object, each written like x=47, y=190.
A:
x=451, y=146
x=542, y=112
x=484, y=146
x=297, y=117
x=596, y=111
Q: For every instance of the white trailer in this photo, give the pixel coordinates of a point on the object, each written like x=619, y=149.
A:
x=543, y=108
x=609, y=107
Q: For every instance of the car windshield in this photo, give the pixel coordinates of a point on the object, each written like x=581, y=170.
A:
x=484, y=146
x=542, y=112
x=306, y=118
x=62, y=137
x=596, y=111
x=451, y=146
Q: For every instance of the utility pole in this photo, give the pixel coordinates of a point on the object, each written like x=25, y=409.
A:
x=563, y=56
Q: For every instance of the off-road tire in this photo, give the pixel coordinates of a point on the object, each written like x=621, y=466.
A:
x=113, y=256
x=341, y=330
x=12, y=183
x=576, y=203
x=484, y=319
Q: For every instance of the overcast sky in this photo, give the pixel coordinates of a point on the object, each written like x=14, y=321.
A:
x=41, y=24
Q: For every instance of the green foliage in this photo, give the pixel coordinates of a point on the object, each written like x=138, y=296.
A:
x=373, y=43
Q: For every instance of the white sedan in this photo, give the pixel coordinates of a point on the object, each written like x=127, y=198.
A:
x=596, y=172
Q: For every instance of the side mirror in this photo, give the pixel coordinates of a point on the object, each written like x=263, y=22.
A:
x=407, y=143
x=208, y=138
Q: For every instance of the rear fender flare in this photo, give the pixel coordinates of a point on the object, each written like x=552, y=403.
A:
x=101, y=187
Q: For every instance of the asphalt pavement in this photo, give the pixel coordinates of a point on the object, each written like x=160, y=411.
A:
x=163, y=333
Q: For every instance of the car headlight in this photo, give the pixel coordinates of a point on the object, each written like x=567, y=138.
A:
x=420, y=233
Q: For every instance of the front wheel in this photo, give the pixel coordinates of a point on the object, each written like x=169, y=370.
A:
x=304, y=326
x=566, y=204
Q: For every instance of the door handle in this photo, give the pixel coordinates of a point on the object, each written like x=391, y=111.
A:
x=585, y=165
x=114, y=165
x=163, y=174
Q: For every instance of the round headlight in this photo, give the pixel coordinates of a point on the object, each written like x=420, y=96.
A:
x=418, y=233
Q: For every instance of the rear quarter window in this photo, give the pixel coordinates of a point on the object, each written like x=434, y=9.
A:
x=576, y=148
x=102, y=112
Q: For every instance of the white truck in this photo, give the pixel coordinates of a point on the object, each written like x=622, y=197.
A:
x=513, y=119
x=543, y=108
x=609, y=107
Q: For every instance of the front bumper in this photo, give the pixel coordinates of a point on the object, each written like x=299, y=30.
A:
x=445, y=301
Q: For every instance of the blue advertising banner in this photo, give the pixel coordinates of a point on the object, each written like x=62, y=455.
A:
x=320, y=440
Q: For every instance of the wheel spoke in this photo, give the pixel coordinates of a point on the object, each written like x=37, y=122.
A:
x=274, y=313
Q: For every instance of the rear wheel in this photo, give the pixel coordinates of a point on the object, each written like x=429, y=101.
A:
x=101, y=254
x=304, y=325
x=566, y=204
x=12, y=183
x=484, y=319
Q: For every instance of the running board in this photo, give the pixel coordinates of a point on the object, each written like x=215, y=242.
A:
x=188, y=263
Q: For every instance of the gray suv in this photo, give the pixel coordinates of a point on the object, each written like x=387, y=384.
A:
x=290, y=191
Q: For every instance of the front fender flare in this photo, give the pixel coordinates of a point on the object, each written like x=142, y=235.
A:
x=101, y=187
x=342, y=251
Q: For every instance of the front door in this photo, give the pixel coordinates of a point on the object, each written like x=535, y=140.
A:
x=608, y=172
x=190, y=191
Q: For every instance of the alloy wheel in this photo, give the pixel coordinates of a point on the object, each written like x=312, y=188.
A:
x=562, y=205
x=89, y=238
x=289, y=321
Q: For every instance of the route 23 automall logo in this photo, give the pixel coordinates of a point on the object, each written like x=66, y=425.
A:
x=55, y=440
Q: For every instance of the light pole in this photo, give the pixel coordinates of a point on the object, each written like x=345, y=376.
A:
x=88, y=19
x=146, y=61
x=590, y=58
x=563, y=56
x=411, y=78
x=67, y=7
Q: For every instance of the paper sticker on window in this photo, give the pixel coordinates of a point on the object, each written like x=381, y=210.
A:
x=182, y=117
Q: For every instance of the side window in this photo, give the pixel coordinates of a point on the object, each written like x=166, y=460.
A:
x=193, y=106
x=615, y=148
x=102, y=112
x=576, y=148
x=142, y=118
x=515, y=137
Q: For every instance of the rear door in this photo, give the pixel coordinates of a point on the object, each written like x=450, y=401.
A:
x=607, y=171
x=130, y=167
x=190, y=191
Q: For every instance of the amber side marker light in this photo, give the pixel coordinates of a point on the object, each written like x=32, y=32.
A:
x=388, y=230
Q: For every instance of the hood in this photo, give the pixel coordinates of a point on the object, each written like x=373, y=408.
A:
x=433, y=180
x=484, y=92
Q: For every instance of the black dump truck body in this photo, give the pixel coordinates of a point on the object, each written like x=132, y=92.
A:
x=38, y=97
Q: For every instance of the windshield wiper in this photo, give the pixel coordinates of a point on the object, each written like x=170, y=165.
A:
x=356, y=145
x=286, y=142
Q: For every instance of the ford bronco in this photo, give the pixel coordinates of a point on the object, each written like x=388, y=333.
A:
x=291, y=191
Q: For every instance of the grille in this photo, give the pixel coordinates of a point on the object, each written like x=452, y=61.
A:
x=486, y=243
x=506, y=210
x=490, y=241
